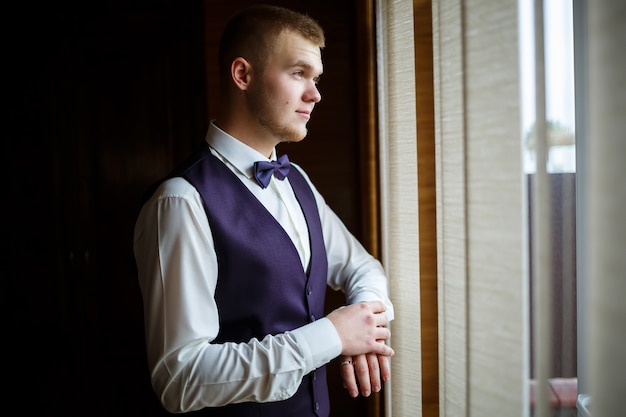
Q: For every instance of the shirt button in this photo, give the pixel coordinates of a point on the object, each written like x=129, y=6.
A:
x=309, y=290
x=317, y=405
x=314, y=375
x=312, y=318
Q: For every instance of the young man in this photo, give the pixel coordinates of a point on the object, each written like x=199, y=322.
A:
x=233, y=269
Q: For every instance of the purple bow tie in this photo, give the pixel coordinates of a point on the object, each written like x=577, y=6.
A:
x=263, y=170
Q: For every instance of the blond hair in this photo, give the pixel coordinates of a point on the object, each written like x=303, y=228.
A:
x=253, y=32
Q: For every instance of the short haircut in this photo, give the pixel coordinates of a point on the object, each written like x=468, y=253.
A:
x=252, y=34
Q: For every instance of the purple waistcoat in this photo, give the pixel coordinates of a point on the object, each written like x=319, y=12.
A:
x=261, y=287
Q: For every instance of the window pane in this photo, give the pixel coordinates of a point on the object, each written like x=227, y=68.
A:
x=561, y=178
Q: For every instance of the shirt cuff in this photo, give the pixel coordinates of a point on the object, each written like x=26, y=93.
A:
x=319, y=341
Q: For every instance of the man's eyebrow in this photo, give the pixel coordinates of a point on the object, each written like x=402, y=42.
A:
x=301, y=64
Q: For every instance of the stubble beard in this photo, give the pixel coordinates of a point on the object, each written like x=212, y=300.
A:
x=263, y=107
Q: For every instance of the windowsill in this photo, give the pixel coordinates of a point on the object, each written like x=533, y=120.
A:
x=563, y=393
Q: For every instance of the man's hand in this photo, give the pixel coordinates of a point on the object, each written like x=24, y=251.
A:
x=369, y=370
x=362, y=328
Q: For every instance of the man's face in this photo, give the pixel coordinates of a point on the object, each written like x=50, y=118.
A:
x=283, y=96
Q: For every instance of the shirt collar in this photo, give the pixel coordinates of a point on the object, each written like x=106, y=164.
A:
x=234, y=152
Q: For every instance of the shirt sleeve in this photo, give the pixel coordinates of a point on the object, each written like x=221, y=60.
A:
x=351, y=268
x=177, y=270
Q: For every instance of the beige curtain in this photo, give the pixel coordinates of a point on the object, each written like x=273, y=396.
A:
x=481, y=262
x=483, y=292
x=481, y=231
x=399, y=196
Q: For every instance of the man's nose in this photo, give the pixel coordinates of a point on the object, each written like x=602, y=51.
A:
x=313, y=93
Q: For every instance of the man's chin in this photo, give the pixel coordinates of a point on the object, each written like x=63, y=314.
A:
x=295, y=137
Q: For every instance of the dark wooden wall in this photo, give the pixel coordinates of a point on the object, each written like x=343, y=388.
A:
x=105, y=97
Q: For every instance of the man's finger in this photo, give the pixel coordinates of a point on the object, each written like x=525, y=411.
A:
x=362, y=371
x=385, y=367
x=377, y=306
x=348, y=376
x=374, y=371
x=382, y=349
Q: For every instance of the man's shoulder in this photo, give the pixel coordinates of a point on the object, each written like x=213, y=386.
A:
x=175, y=187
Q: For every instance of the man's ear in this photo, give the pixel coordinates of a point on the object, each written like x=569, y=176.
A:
x=240, y=72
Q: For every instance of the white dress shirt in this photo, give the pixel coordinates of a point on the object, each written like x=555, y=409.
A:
x=178, y=268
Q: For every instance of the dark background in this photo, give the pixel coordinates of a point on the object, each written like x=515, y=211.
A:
x=105, y=97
